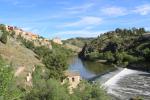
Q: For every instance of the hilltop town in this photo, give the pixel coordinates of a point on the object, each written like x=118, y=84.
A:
x=29, y=36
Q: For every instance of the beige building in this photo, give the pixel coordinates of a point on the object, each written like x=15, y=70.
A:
x=57, y=40
x=32, y=37
x=73, y=78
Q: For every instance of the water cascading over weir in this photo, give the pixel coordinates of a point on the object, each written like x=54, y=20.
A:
x=126, y=83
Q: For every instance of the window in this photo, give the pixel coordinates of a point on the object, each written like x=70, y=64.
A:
x=73, y=79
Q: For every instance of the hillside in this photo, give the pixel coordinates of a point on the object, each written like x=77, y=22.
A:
x=21, y=59
x=73, y=47
x=79, y=42
x=17, y=54
x=122, y=47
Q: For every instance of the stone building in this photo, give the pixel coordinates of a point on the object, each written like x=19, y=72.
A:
x=57, y=40
x=73, y=78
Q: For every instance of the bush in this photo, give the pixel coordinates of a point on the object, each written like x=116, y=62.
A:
x=93, y=55
x=56, y=63
x=118, y=57
x=87, y=91
x=3, y=38
x=109, y=56
x=8, y=88
x=129, y=58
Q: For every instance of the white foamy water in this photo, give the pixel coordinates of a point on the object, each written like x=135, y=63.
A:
x=112, y=81
x=127, y=83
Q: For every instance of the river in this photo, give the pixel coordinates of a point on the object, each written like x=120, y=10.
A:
x=87, y=69
x=122, y=83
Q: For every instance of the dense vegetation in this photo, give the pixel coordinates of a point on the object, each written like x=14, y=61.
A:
x=8, y=88
x=45, y=88
x=55, y=60
x=122, y=47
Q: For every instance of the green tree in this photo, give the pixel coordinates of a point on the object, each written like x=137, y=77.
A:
x=87, y=91
x=46, y=89
x=56, y=63
x=109, y=56
x=8, y=88
x=118, y=58
x=3, y=38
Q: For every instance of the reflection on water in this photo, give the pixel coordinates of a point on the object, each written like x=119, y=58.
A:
x=87, y=69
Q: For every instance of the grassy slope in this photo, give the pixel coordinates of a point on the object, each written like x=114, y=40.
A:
x=21, y=58
x=73, y=47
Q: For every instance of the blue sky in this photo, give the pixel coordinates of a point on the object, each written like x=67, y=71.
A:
x=74, y=18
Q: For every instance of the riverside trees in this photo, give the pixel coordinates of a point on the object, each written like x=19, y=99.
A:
x=122, y=47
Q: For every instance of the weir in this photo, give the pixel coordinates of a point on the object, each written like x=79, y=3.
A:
x=98, y=76
x=126, y=83
x=114, y=79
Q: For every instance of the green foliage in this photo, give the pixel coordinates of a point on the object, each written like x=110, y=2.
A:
x=51, y=89
x=42, y=51
x=6, y=77
x=137, y=98
x=46, y=89
x=79, y=42
x=129, y=58
x=2, y=27
x=28, y=44
x=86, y=91
x=146, y=53
x=56, y=63
x=8, y=88
x=12, y=34
x=54, y=59
x=4, y=36
x=109, y=56
x=93, y=55
x=121, y=47
x=118, y=58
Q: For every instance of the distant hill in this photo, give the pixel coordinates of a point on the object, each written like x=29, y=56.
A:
x=79, y=42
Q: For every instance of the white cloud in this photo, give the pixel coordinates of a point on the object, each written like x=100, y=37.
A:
x=20, y=3
x=147, y=28
x=26, y=28
x=85, y=21
x=143, y=9
x=114, y=11
x=79, y=33
x=31, y=29
x=79, y=9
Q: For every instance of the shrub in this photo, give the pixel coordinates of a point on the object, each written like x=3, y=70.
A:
x=3, y=38
x=93, y=55
x=109, y=56
x=87, y=91
x=129, y=58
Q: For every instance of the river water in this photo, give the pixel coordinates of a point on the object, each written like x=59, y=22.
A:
x=87, y=69
x=122, y=83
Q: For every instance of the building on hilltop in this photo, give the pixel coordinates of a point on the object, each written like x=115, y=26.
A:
x=29, y=36
x=57, y=40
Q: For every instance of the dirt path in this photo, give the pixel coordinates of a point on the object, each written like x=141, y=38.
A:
x=19, y=71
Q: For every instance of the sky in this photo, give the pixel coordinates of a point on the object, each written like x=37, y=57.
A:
x=74, y=18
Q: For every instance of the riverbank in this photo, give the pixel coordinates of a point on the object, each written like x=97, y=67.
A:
x=141, y=66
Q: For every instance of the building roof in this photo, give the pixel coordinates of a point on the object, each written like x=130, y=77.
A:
x=71, y=74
